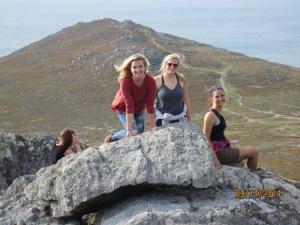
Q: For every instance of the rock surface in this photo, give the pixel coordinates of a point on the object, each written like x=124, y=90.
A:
x=20, y=156
x=166, y=176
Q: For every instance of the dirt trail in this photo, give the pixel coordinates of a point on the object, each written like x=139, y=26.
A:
x=240, y=101
x=223, y=77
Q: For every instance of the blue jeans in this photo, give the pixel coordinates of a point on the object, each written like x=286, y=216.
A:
x=138, y=125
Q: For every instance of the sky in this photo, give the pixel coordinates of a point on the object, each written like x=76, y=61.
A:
x=261, y=28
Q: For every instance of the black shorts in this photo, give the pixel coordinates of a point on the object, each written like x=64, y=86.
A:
x=228, y=155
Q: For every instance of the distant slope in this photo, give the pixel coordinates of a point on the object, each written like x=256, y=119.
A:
x=68, y=79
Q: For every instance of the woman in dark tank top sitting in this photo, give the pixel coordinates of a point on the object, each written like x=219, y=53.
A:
x=214, y=126
x=172, y=100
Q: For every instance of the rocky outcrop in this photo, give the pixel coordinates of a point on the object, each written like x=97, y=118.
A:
x=166, y=176
x=238, y=196
x=19, y=156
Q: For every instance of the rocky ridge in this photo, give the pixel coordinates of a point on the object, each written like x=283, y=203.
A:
x=20, y=156
x=166, y=176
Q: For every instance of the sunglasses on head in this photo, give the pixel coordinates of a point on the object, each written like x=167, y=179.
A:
x=172, y=64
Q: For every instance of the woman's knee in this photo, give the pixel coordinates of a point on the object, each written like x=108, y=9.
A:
x=248, y=152
x=252, y=152
x=255, y=151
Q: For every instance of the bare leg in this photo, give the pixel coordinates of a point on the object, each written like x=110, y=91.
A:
x=241, y=163
x=250, y=153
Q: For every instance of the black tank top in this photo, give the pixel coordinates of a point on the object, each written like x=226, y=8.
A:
x=217, y=132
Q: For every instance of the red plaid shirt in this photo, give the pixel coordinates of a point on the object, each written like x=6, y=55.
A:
x=219, y=145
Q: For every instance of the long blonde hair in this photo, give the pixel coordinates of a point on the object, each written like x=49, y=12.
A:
x=125, y=68
x=163, y=69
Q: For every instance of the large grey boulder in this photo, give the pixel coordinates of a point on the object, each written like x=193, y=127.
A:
x=220, y=204
x=173, y=156
x=166, y=176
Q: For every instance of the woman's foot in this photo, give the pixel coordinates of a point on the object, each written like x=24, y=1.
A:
x=108, y=139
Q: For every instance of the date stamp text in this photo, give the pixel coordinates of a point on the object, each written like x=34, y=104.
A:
x=267, y=193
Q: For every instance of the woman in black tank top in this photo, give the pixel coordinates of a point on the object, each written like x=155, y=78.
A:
x=214, y=126
x=63, y=147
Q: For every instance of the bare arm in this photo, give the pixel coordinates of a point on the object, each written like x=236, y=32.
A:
x=76, y=143
x=209, y=121
x=129, y=120
x=77, y=147
x=152, y=120
x=68, y=152
x=151, y=101
x=186, y=101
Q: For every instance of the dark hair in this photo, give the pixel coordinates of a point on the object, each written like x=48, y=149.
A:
x=213, y=89
x=66, y=137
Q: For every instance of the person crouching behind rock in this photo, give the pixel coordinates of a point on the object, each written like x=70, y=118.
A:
x=63, y=146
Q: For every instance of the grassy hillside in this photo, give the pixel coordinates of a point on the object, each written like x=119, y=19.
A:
x=68, y=80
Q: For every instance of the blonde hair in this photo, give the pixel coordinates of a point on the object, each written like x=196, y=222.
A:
x=163, y=69
x=125, y=68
